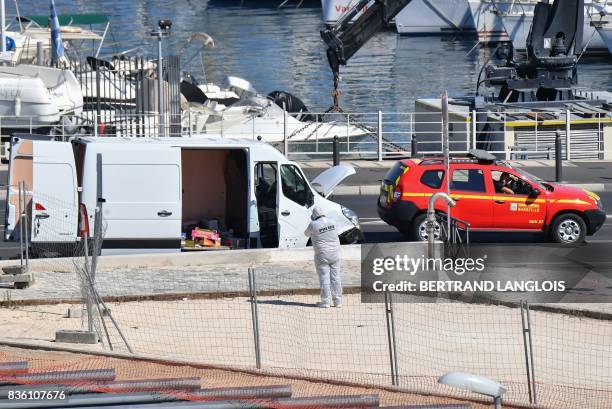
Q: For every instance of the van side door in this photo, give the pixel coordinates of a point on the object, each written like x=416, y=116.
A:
x=295, y=198
x=266, y=196
x=141, y=197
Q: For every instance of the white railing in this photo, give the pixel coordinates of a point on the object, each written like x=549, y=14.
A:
x=376, y=135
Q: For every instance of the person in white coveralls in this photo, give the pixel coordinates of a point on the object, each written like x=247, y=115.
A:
x=324, y=237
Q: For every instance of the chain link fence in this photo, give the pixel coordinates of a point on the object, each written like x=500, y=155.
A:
x=265, y=319
x=213, y=317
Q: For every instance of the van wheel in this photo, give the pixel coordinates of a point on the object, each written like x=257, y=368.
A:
x=419, y=229
x=568, y=229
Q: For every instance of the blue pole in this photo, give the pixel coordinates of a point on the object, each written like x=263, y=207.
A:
x=57, y=47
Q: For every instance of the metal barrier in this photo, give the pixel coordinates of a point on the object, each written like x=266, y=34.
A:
x=20, y=276
x=265, y=319
x=376, y=135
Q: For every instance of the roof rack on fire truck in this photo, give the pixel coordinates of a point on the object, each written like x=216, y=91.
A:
x=481, y=155
x=473, y=156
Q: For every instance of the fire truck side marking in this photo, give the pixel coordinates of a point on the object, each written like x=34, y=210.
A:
x=525, y=200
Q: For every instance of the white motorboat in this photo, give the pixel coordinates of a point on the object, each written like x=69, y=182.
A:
x=517, y=24
x=605, y=32
x=236, y=110
x=33, y=97
x=25, y=103
x=26, y=42
x=61, y=84
x=434, y=17
x=33, y=30
x=486, y=15
x=257, y=117
x=241, y=112
x=32, y=45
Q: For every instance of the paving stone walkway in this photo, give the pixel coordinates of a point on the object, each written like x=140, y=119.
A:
x=159, y=280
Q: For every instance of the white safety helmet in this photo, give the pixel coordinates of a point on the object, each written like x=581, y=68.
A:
x=316, y=213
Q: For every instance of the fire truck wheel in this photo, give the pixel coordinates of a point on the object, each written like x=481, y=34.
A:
x=568, y=229
x=419, y=229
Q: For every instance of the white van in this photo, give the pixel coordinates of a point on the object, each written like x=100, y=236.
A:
x=151, y=190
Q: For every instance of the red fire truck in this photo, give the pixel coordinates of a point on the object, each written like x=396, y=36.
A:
x=490, y=195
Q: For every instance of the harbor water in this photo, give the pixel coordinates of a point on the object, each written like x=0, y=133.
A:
x=280, y=49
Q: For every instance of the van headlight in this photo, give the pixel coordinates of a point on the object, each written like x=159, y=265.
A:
x=599, y=204
x=351, y=215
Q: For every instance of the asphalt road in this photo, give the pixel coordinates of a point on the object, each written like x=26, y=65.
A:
x=377, y=231
x=575, y=172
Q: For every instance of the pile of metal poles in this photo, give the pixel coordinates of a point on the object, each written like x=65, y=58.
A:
x=98, y=388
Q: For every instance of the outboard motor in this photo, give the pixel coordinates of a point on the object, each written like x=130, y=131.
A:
x=291, y=104
x=191, y=91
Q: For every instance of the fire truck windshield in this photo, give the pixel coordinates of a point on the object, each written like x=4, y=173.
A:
x=531, y=177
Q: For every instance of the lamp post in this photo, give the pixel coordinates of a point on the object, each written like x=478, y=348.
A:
x=162, y=31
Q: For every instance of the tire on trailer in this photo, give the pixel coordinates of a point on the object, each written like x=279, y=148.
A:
x=568, y=229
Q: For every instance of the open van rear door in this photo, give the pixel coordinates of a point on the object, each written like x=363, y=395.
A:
x=48, y=172
x=20, y=170
x=54, y=205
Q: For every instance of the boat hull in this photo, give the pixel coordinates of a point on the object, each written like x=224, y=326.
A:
x=435, y=17
x=605, y=34
x=333, y=9
x=272, y=129
x=25, y=103
x=487, y=19
x=419, y=17
x=63, y=87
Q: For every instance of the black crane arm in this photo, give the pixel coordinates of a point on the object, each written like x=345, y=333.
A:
x=556, y=29
x=553, y=48
x=346, y=37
